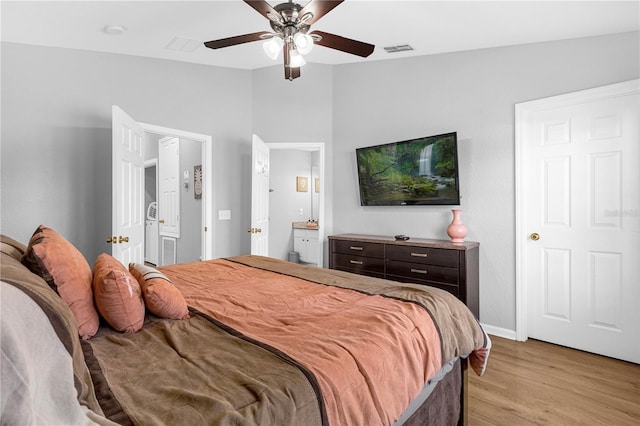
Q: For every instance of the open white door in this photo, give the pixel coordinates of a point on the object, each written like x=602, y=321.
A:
x=169, y=187
x=128, y=185
x=260, y=198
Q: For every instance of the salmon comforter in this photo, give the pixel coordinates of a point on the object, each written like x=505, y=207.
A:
x=271, y=342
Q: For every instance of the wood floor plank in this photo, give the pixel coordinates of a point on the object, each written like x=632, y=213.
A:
x=538, y=383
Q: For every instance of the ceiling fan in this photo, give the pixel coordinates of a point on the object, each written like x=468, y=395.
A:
x=290, y=23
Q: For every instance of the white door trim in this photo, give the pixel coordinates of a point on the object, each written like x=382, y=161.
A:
x=312, y=146
x=207, y=184
x=522, y=112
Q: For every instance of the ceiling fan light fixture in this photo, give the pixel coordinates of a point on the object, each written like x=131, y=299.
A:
x=296, y=60
x=272, y=47
x=303, y=42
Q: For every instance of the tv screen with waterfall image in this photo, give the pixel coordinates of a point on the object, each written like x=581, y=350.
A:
x=421, y=171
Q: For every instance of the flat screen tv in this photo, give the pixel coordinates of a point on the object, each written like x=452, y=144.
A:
x=421, y=171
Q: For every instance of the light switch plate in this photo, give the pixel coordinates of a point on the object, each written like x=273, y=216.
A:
x=224, y=214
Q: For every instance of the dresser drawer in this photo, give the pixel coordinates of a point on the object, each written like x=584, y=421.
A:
x=430, y=256
x=358, y=264
x=421, y=272
x=358, y=248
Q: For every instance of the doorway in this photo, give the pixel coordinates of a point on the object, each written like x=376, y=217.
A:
x=177, y=232
x=128, y=175
x=151, y=234
x=310, y=167
x=294, y=206
x=577, y=221
x=298, y=203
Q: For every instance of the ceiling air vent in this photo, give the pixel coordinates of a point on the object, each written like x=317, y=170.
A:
x=398, y=48
x=183, y=44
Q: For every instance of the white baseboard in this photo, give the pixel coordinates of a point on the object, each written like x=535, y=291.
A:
x=499, y=331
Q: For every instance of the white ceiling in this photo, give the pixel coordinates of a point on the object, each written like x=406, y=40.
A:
x=430, y=27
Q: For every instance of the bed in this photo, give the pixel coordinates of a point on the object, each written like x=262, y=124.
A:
x=262, y=341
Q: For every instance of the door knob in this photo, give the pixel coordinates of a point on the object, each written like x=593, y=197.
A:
x=535, y=236
x=161, y=221
x=112, y=240
x=123, y=239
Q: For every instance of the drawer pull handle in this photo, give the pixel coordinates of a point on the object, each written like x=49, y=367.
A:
x=356, y=262
x=419, y=254
x=419, y=271
x=356, y=248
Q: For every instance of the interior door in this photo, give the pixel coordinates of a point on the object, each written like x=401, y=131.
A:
x=581, y=186
x=127, y=187
x=169, y=187
x=259, y=198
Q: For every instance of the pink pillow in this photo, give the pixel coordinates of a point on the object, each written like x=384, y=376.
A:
x=117, y=293
x=162, y=298
x=66, y=270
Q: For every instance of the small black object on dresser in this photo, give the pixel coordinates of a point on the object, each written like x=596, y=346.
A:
x=439, y=263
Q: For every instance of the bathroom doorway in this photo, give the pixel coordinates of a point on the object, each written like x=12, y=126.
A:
x=296, y=202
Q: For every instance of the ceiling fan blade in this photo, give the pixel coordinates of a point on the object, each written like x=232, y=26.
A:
x=318, y=9
x=232, y=41
x=344, y=44
x=264, y=9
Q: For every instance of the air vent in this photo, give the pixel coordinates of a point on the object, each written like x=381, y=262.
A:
x=183, y=44
x=398, y=48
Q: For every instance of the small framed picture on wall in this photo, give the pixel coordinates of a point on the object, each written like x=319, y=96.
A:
x=302, y=184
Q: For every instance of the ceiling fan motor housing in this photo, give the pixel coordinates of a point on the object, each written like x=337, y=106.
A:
x=287, y=21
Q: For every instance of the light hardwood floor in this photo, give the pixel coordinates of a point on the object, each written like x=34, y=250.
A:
x=537, y=383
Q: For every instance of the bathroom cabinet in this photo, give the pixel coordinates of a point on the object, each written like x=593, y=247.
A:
x=305, y=242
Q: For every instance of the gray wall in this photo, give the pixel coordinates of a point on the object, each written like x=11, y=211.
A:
x=472, y=93
x=56, y=134
x=190, y=242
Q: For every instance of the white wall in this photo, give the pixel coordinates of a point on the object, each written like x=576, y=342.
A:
x=474, y=94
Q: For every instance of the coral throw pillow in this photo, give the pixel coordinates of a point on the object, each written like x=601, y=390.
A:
x=118, y=295
x=162, y=298
x=66, y=270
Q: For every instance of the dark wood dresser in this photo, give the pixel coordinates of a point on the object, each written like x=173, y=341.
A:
x=438, y=263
